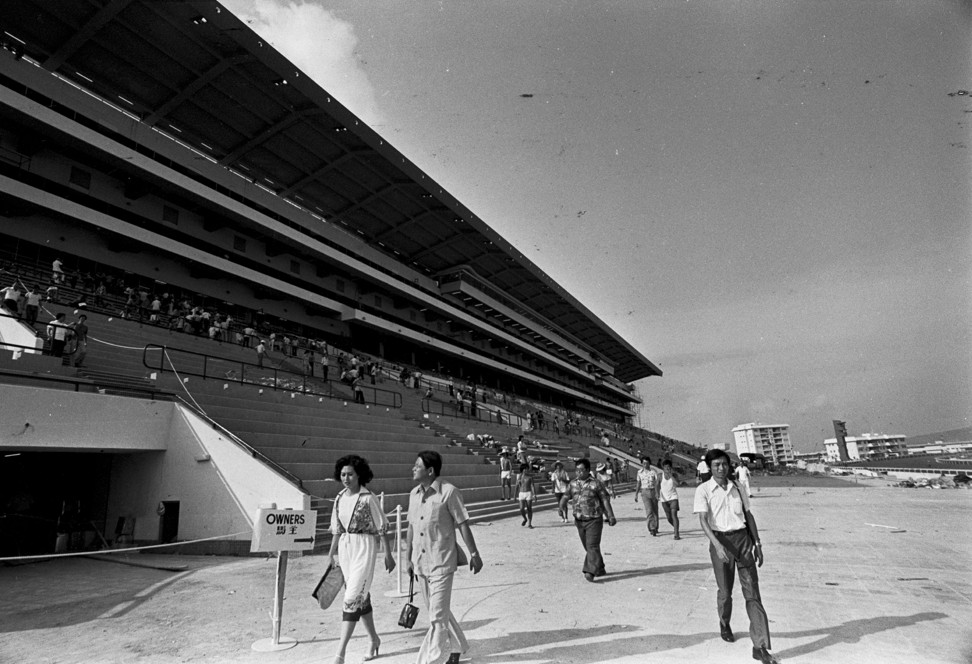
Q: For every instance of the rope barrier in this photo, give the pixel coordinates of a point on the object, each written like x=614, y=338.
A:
x=186, y=389
x=51, y=556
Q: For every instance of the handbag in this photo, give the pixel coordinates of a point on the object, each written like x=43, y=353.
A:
x=329, y=586
x=409, y=611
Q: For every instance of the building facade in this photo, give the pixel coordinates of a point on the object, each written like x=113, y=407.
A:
x=868, y=446
x=769, y=440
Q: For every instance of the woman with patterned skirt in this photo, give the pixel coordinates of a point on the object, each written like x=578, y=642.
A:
x=357, y=525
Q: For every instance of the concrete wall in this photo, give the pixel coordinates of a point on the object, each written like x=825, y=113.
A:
x=78, y=422
x=161, y=451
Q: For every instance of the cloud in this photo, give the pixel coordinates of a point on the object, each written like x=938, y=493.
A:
x=319, y=43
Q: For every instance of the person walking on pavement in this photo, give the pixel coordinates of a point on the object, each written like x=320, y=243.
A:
x=647, y=488
x=668, y=495
x=435, y=511
x=591, y=503
x=733, y=545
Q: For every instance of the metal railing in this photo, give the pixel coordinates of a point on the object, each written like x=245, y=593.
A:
x=82, y=385
x=191, y=363
x=480, y=414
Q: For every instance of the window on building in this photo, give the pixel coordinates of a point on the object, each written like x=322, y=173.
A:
x=170, y=214
x=80, y=177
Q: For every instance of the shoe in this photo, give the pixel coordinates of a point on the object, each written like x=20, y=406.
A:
x=589, y=576
x=530, y=526
x=524, y=522
x=765, y=656
x=677, y=537
x=338, y=659
x=373, y=653
x=725, y=631
x=453, y=658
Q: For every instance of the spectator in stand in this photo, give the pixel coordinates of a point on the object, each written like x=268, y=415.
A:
x=556, y=425
x=156, y=307
x=261, y=352
x=80, y=341
x=57, y=273
x=99, y=294
x=309, y=361
x=248, y=332
x=359, y=396
x=32, y=300
x=57, y=331
x=325, y=364
x=52, y=293
x=540, y=424
x=11, y=299
x=373, y=372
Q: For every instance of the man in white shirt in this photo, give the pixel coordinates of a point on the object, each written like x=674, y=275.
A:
x=57, y=331
x=702, y=473
x=742, y=478
x=733, y=544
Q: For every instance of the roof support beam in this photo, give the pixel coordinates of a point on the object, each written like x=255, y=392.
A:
x=194, y=87
x=101, y=18
x=268, y=133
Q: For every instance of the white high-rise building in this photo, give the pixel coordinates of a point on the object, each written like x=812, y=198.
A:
x=770, y=440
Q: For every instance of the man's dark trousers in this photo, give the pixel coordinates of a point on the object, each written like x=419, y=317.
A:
x=590, y=536
x=739, y=546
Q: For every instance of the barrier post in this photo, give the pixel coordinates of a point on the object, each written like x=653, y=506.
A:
x=398, y=555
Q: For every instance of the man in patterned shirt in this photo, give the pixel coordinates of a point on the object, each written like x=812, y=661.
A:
x=591, y=503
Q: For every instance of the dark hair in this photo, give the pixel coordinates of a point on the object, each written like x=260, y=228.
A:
x=583, y=462
x=712, y=455
x=648, y=459
x=666, y=462
x=524, y=466
x=432, y=459
x=360, y=466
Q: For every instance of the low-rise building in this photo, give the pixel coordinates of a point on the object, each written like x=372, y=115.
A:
x=868, y=446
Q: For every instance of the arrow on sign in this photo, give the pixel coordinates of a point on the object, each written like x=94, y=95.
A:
x=304, y=539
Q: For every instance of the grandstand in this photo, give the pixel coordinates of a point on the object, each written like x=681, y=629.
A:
x=164, y=151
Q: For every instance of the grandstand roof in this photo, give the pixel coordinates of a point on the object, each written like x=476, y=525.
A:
x=196, y=72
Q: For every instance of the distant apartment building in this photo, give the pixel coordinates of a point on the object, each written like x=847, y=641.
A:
x=769, y=440
x=868, y=446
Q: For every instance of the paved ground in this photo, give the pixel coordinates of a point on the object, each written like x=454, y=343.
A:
x=865, y=574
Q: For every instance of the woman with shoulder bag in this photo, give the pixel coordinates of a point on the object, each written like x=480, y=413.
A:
x=357, y=525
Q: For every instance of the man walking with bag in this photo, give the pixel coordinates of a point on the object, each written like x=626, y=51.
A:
x=435, y=511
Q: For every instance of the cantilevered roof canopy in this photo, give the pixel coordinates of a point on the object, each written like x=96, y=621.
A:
x=196, y=72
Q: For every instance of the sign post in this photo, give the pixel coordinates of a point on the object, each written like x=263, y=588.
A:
x=281, y=531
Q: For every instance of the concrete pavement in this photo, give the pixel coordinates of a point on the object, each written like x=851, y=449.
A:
x=865, y=574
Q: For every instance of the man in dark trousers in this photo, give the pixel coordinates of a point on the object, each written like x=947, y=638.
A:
x=733, y=544
x=591, y=503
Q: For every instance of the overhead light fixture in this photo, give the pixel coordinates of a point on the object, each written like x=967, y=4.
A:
x=199, y=20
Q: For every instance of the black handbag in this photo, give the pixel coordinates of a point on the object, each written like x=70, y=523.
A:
x=409, y=611
x=329, y=586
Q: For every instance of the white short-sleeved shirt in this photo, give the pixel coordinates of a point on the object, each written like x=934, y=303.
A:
x=433, y=516
x=724, y=507
x=742, y=473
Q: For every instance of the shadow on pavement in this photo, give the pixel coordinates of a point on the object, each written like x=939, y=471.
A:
x=563, y=646
x=852, y=631
x=653, y=571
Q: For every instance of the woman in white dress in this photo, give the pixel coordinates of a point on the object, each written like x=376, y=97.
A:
x=357, y=526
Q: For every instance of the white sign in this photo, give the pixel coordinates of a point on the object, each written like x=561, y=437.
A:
x=283, y=530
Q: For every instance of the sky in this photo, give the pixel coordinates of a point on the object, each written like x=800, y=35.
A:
x=770, y=200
